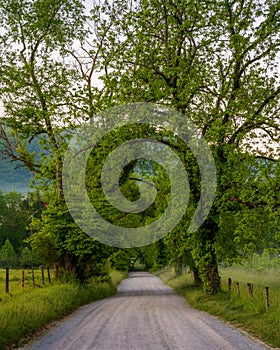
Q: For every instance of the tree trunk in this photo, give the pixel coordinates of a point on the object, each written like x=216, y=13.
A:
x=178, y=266
x=196, y=278
x=212, y=277
x=205, y=254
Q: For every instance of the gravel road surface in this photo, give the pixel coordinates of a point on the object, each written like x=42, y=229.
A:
x=144, y=315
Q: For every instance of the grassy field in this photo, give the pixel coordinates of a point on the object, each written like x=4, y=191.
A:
x=15, y=282
x=25, y=311
x=251, y=316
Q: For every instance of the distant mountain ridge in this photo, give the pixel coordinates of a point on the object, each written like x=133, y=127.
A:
x=14, y=176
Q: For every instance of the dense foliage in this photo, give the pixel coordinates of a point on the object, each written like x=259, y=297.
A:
x=214, y=62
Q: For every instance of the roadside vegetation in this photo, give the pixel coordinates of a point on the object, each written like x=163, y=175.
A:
x=251, y=316
x=25, y=312
x=217, y=65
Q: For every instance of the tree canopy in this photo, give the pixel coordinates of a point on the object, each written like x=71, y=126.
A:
x=215, y=62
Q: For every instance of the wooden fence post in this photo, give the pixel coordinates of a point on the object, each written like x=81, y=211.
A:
x=33, y=276
x=43, y=274
x=22, y=278
x=7, y=279
x=237, y=289
x=49, y=275
x=250, y=290
x=267, y=298
x=229, y=284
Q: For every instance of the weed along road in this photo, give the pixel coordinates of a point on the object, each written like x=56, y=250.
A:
x=144, y=315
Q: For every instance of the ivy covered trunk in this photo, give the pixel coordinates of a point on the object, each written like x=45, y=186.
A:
x=205, y=257
x=211, y=277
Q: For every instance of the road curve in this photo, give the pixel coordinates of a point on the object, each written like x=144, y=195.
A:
x=144, y=315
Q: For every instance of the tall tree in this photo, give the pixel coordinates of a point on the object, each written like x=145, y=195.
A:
x=217, y=63
x=47, y=88
x=35, y=82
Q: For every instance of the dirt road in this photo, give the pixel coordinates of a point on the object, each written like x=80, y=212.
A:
x=144, y=315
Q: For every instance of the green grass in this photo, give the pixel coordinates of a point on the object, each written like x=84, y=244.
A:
x=26, y=311
x=251, y=316
x=15, y=282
